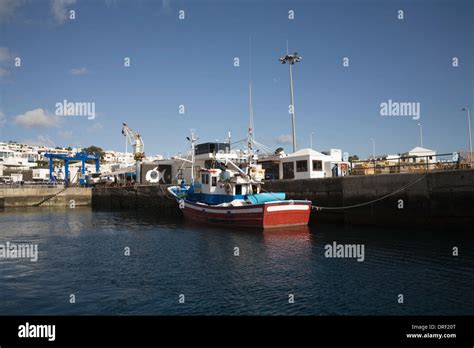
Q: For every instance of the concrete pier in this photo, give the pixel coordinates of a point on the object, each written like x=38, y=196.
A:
x=444, y=197
x=153, y=198
x=47, y=196
x=434, y=198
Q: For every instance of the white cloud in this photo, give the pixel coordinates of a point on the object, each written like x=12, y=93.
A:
x=67, y=135
x=7, y=7
x=69, y=138
x=43, y=140
x=284, y=139
x=5, y=54
x=78, y=71
x=3, y=119
x=97, y=126
x=58, y=8
x=4, y=72
x=37, y=118
x=165, y=7
x=111, y=3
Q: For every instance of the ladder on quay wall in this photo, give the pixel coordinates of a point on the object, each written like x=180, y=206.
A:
x=50, y=197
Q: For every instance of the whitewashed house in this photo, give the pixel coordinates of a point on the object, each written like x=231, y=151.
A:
x=427, y=155
x=305, y=164
x=40, y=174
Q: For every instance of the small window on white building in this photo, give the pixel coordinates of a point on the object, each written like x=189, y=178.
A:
x=302, y=166
x=288, y=168
x=317, y=166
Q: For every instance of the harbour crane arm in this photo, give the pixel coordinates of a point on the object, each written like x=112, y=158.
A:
x=135, y=140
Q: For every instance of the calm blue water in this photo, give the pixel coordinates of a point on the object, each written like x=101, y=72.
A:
x=81, y=252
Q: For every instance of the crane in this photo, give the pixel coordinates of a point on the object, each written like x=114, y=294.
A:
x=136, y=141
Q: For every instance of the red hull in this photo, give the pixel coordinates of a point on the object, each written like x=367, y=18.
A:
x=267, y=215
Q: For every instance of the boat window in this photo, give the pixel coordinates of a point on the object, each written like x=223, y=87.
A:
x=205, y=179
x=238, y=189
x=317, y=166
x=214, y=181
x=302, y=166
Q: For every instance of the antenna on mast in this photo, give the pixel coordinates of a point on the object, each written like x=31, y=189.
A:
x=192, y=140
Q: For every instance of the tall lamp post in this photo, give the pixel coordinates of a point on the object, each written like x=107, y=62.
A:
x=373, y=148
x=373, y=151
x=291, y=59
x=311, y=139
x=469, y=127
x=421, y=134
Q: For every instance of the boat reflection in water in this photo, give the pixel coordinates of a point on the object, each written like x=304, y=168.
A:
x=299, y=233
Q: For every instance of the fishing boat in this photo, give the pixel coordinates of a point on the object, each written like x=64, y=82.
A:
x=227, y=195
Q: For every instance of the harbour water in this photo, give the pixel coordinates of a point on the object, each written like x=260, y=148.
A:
x=82, y=252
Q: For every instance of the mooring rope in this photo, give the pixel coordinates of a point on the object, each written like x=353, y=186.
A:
x=374, y=200
x=167, y=195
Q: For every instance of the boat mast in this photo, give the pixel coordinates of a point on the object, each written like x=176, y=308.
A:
x=193, y=141
x=250, y=127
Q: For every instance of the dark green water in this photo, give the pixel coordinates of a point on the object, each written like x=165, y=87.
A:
x=81, y=252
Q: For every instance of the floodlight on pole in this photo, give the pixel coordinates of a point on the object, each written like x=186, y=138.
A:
x=373, y=147
x=421, y=134
x=291, y=59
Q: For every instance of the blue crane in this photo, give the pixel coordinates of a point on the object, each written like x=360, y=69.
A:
x=80, y=156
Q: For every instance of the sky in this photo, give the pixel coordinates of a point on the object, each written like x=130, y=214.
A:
x=190, y=62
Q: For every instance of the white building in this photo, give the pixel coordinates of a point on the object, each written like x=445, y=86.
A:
x=40, y=174
x=305, y=164
x=12, y=158
x=311, y=164
x=422, y=155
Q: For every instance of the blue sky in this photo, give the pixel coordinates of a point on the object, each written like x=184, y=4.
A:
x=190, y=62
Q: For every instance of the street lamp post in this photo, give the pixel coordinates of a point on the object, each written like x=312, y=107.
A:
x=373, y=147
x=311, y=139
x=373, y=151
x=291, y=59
x=421, y=134
x=470, y=138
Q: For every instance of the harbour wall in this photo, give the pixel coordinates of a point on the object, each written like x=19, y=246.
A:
x=153, y=198
x=434, y=198
x=47, y=196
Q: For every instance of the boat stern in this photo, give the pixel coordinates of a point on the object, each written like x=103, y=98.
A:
x=286, y=213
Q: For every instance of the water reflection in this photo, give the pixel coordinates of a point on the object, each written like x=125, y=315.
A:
x=83, y=251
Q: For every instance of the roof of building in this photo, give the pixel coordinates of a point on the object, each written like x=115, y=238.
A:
x=420, y=149
x=307, y=152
